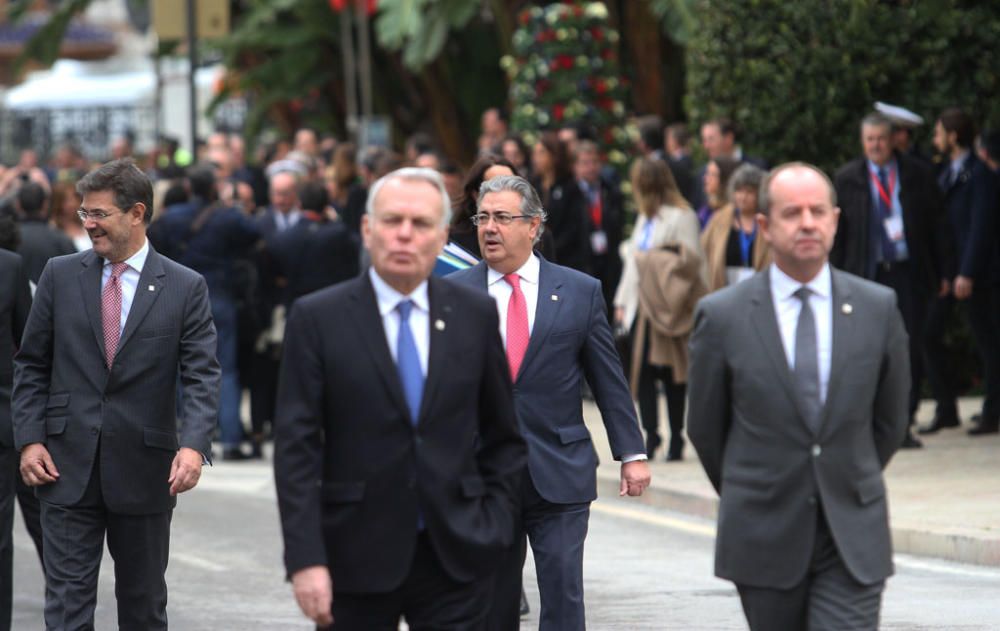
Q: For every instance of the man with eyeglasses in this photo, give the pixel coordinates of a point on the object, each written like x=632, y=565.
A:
x=554, y=325
x=110, y=333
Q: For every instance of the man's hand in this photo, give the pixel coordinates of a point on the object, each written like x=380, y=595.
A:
x=314, y=592
x=619, y=315
x=37, y=467
x=963, y=287
x=635, y=478
x=185, y=470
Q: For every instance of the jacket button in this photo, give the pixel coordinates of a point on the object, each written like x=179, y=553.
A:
x=94, y=431
x=816, y=451
x=811, y=500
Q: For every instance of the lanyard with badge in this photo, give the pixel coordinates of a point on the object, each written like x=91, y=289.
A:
x=893, y=223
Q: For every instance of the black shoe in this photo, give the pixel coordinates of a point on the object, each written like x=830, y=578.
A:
x=675, y=456
x=234, y=454
x=939, y=423
x=525, y=608
x=911, y=442
x=676, y=450
x=984, y=428
x=976, y=419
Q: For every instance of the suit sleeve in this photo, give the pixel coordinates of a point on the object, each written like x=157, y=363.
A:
x=22, y=303
x=709, y=410
x=298, y=442
x=890, y=417
x=942, y=238
x=976, y=257
x=33, y=366
x=603, y=370
x=502, y=455
x=199, y=372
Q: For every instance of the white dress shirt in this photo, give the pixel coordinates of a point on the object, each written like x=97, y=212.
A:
x=420, y=316
x=129, y=279
x=787, y=307
x=501, y=291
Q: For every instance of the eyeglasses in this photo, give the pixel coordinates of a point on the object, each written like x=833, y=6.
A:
x=502, y=219
x=96, y=215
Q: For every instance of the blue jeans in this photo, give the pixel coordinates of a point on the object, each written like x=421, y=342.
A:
x=230, y=425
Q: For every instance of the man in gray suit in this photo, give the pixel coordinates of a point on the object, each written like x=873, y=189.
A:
x=109, y=333
x=798, y=391
x=555, y=330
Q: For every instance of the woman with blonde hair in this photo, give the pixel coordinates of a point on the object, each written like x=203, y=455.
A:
x=662, y=278
x=733, y=249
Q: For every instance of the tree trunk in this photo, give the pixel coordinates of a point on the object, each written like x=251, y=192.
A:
x=643, y=41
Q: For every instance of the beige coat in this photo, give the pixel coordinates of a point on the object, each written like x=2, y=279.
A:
x=670, y=285
x=714, y=240
x=674, y=225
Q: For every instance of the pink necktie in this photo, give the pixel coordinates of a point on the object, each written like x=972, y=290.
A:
x=517, y=325
x=111, y=311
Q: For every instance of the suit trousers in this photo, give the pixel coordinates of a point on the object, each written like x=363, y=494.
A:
x=12, y=486
x=74, y=544
x=912, y=301
x=557, y=533
x=828, y=599
x=428, y=599
x=982, y=307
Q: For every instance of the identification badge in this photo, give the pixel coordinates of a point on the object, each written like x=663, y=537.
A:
x=894, y=228
x=599, y=242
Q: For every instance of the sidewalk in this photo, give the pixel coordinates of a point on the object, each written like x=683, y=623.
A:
x=944, y=499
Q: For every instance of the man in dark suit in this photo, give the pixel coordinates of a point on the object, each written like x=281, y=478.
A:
x=111, y=332
x=971, y=195
x=316, y=252
x=397, y=456
x=39, y=240
x=798, y=385
x=893, y=230
x=606, y=211
x=15, y=301
x=555, y=328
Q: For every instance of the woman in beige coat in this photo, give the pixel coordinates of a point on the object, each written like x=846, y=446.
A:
x=665, y=218
x=733, y=249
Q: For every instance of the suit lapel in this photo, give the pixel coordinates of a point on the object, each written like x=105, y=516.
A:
x=546, y=310
x=368, y=323
x=146, y=292
x=90, y=288
x=437, y=366
x=765, y=321
x=843, y=330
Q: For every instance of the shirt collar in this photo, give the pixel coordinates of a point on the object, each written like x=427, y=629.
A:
x=528, y=272
x=138, y=260
x=957, y=163
x=784, y=286
x=388, y=298
x=873, y=168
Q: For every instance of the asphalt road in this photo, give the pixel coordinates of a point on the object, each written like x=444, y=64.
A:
x=645, y=568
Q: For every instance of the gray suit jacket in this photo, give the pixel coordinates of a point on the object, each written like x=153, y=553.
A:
x=65, y=397
x=771, y=471
x=570, y=341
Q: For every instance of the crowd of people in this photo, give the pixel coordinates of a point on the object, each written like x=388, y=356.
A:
x=264, y=233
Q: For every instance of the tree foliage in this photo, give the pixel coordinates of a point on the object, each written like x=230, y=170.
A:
x=798, y=76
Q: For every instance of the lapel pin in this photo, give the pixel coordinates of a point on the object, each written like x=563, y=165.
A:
x=846, y=309
x=151, y=288
x=439, y=325
x=555, y=298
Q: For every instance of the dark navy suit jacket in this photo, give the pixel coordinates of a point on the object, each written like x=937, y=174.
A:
x=972, y=207
x=571, y=341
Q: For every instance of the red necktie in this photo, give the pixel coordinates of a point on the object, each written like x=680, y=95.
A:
x=111, y=311
x=517, y=325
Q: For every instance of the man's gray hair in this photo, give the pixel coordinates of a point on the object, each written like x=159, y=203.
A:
x=877, y=119
x=531, y=205
x=764, y=197
x=746, y=176
x=412, y=174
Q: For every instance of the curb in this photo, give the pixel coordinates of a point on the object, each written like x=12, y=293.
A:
x=972, y=548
